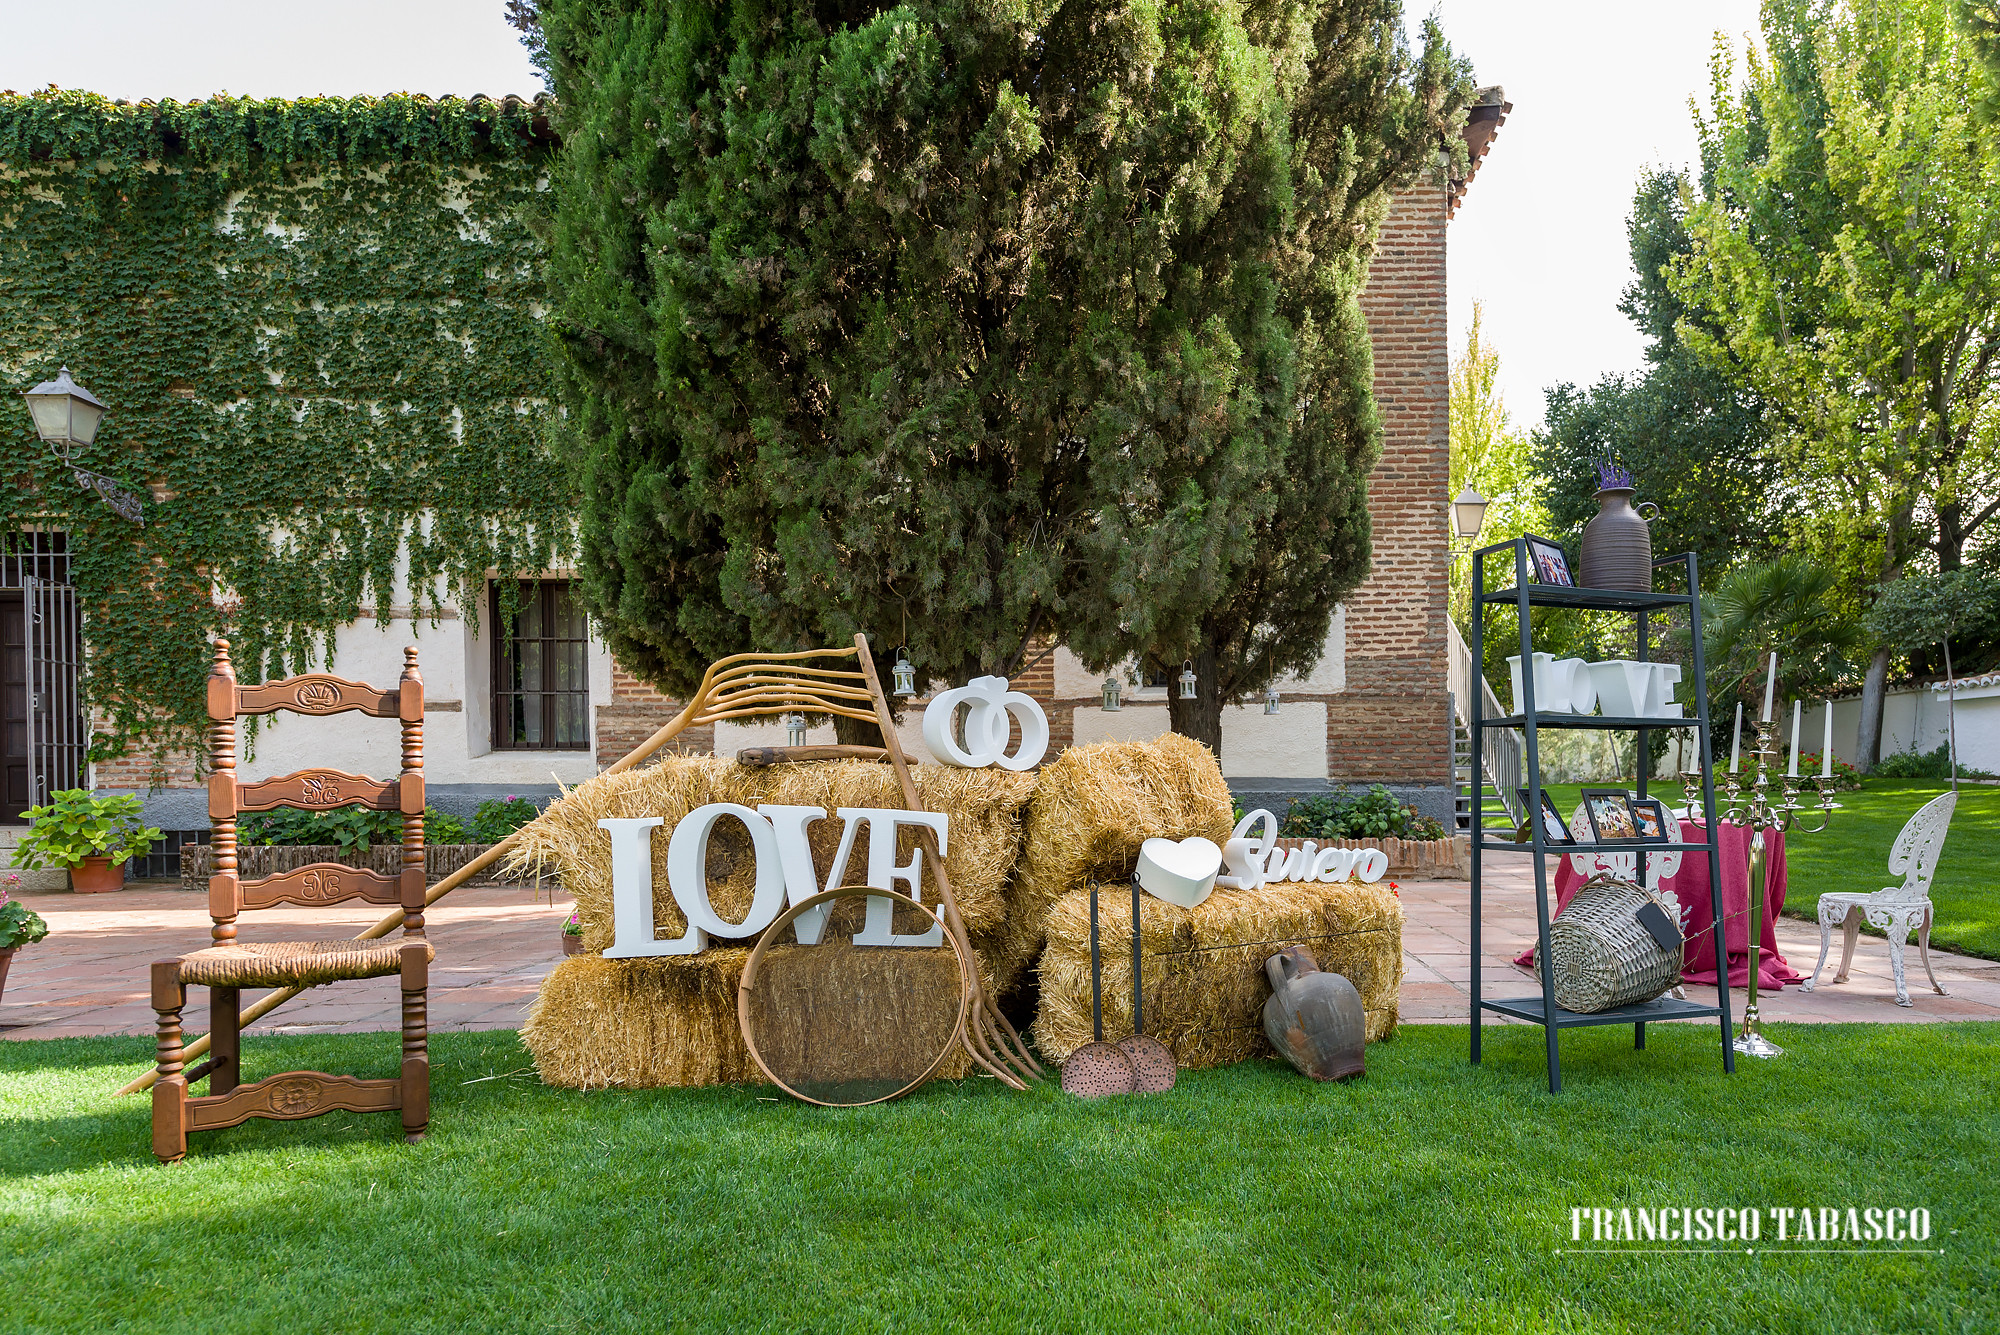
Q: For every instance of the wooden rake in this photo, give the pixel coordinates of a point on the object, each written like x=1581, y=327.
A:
x=750, y=686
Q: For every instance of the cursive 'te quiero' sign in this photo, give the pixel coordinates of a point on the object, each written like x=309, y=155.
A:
x=782, y=851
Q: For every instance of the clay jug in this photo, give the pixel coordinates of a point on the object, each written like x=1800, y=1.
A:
x=1617, y=544
x=1314, y=1019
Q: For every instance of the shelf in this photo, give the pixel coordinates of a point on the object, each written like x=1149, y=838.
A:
x=1600, y=600
x=1586, y=721
x=1608, y=846
x=1644, y=1012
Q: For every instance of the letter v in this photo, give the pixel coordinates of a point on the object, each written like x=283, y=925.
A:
x=796, y=860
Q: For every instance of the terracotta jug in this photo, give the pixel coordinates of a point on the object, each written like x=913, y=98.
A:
x=1314, y=1019
x=1617, y=544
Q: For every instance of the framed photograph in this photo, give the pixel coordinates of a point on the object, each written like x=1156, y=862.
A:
x=1555, y=830
x=1547, y=564
x=1610, y=811
x=1649, y=815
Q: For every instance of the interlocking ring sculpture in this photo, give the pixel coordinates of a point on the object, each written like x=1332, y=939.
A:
x=986, y=729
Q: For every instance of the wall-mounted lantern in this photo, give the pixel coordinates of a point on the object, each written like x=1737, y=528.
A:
x=1111, y=693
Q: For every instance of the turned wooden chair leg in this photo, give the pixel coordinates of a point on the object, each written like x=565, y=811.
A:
x=225, y=1039
x=416, y=1050
x=170, y=1092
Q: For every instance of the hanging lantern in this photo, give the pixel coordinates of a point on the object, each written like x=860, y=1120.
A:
x=1187, y=680
x=905, y=673
x=795, y=729
x=1111, y=688
x=1270, y=699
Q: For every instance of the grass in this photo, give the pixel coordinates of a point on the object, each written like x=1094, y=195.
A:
x=1852, y=854
x=1429, y=1196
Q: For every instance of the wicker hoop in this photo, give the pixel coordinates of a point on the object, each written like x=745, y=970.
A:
x=1603, y=956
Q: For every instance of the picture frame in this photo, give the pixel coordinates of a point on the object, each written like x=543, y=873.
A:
x=1610, y=812
x=1649, y=818
x=1547, y=564
x=1555, y=830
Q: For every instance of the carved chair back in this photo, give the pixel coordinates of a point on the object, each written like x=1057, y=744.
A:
x=315, y=789
x=1914, y=855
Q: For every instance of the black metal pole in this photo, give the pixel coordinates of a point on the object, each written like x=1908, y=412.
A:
x=1526, y=704
x=1476, y=711
x=1714, y=817
x=1137, y=1025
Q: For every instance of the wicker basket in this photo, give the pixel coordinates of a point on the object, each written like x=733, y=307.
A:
x=1603, y=956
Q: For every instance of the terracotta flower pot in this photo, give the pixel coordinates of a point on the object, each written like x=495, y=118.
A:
x=572, y=945
x=94, y=876
x=6, y=959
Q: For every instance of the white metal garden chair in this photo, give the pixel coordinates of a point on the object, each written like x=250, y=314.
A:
x=1897, y=909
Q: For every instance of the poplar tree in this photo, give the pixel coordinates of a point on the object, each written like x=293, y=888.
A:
x=965, y=324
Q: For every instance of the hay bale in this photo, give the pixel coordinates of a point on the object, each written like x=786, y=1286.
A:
x=1204, y=966
x=1091, y=810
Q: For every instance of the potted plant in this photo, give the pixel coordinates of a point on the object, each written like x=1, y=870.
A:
x=91, y=836
x=19, y=926
x=572, y=934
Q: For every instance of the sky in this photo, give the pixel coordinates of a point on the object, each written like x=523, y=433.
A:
x=1600, y=91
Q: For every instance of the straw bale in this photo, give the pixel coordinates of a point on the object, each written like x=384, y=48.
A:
x=984, y=806
x=1205, y=984
x=1090, y=812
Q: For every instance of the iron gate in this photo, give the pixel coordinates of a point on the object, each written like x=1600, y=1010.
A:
x=58, y=737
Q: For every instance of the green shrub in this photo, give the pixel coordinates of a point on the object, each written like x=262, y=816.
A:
x=1846, y=778
x=75, y=825
x=19, y=924
x=497, y=818
x=1375, y=814
x=350, y=829
x=1921, y=765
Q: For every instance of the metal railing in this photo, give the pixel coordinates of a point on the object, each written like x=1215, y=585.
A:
x=1503, y=759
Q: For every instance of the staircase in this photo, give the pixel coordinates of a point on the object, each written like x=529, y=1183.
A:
x=1483, y=784
x=1492, y=810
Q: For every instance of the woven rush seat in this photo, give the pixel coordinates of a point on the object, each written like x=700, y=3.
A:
x=295, y=963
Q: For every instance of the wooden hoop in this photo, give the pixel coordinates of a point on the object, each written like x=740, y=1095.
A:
x=784, y=920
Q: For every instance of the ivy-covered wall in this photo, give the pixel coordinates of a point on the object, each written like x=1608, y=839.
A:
x=316, y=325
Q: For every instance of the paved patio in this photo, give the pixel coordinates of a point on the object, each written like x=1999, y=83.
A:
x=496, y=942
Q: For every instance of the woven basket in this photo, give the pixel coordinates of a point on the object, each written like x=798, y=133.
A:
x=1603, y=957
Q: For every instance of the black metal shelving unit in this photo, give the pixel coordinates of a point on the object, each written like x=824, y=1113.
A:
x=1524, y=596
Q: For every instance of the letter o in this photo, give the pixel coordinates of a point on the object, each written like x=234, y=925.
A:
x=687, y=871
x=1372, y=865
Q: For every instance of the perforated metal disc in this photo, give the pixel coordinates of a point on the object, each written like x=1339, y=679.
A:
x=1153, y=1064
x=843, y=1025
x=1097, y=1070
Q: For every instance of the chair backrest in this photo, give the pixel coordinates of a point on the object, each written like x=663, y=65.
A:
x=750, y=685
x=314, y=693
x=1914, y=855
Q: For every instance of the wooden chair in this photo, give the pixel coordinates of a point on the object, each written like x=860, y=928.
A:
x=226, y=967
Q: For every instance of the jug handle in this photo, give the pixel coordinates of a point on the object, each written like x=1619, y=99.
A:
x=1644, y=506
x=1286, y=965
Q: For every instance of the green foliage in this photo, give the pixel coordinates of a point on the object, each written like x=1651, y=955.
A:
x=1921, y=610
x=1787, y=606
x=316, y=323
x=573, y=924
x=1375, y=814
x=963, y=323
x=1921, y=765
x=1979, y=22
x=75, y=825
x=19, y=924
x=351, y=829
x=496, y=818
x=1846, y=778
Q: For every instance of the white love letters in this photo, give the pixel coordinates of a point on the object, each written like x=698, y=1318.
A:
x=1181, y=873
x=989, y=704
x=1258, y=862
x=782, y=852
x=1626, y=689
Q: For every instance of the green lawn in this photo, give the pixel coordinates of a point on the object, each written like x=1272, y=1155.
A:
x=1852, y=854
x=1429, y=1196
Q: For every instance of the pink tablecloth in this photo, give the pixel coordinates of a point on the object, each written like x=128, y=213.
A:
x=1689, y=885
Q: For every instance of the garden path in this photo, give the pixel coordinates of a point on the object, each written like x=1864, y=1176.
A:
x=496, y=942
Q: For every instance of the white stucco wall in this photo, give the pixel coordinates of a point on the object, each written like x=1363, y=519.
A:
x=1912, y=720
x=1290, y=744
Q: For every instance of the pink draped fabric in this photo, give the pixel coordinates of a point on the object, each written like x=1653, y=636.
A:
x=1689, y=885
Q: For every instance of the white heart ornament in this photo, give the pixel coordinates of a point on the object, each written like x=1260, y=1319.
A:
x=1181, y=873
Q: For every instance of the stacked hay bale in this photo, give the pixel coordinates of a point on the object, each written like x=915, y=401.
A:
x=1205, y=984
x=671, y=1020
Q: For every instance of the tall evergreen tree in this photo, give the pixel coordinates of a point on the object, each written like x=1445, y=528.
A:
x=962, y=323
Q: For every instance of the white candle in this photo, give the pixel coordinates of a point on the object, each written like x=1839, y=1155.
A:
x=1736, y=742
x=1794, y=770
x=1770, y=687
x=1826, y=747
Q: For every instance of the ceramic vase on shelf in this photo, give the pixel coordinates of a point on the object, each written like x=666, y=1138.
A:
x=1617, y=544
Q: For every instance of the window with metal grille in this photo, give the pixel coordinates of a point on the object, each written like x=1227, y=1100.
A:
x=541, y=671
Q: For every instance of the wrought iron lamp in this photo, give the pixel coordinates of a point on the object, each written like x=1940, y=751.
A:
x=1111, y=692
x=1187, y=680
x=1468, y=515
x=905, y=673
x=1270, y=699
x=1754, y=805
x=66, y=417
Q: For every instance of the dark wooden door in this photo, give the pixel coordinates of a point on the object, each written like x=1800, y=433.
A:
x=15, y=793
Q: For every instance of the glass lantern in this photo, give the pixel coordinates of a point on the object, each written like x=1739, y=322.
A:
x=65, y=412
x=1187, y=680
x=1270, y=699
x=795, y=729
x=905, y=673
x=1111, y=692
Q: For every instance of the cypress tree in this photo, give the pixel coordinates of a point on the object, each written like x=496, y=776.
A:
x=962, y=323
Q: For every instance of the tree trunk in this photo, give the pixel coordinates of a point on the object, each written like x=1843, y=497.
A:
x=856, y=732
x=1201, y=717
x=1868, y=741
